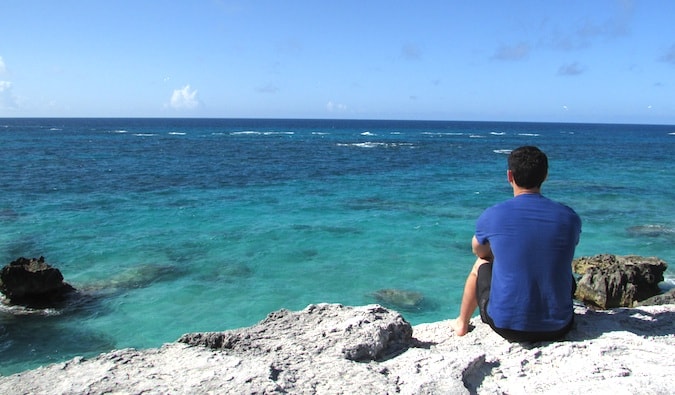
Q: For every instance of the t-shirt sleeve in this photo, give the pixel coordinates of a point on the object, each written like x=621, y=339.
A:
x=577, y=221
x=482, y=228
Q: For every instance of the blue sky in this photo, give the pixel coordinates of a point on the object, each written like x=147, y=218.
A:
x=559, y=61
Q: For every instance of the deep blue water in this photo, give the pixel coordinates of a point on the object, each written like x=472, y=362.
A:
x=182, y=225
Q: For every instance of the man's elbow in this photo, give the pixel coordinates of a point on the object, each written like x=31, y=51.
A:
x=482, y=251
x=487, y=255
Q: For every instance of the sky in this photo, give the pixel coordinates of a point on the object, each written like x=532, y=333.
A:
x=599, y=61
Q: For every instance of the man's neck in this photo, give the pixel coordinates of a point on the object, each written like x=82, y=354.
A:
x=525, y=191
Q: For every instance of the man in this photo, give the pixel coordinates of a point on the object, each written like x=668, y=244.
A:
x=522, y=280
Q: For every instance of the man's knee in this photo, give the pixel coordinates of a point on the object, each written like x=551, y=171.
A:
x=479, y=262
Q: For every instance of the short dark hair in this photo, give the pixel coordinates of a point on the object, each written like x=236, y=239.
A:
x=529, y=166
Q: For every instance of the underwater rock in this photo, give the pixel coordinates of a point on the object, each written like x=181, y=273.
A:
x=650, y=231
x=138, y=276
x=8, y=214
x=617, y=281
x=400, y=298
x=33, y=283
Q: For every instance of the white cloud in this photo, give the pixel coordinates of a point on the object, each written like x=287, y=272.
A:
x=184, y=98
x=587, y=32
x=331, y=107
x=571, y=69
x=512, y=52
x=411, y=52
x=668, y=57
x=7, y=99
x=269, y=88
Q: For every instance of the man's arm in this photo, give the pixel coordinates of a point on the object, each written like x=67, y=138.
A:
x=482, y=251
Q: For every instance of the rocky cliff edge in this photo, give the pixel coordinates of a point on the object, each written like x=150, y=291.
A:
x=332, y=349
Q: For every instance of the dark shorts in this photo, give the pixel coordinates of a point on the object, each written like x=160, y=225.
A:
x=483, y=284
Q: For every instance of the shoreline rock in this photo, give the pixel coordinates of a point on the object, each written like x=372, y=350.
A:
x=33, y=283
x=610, y=281
x=355, y=334
x=329, y=348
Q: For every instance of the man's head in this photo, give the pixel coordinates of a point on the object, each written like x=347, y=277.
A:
x=529, y=167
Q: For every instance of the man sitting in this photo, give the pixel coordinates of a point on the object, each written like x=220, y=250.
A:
x=522, y=280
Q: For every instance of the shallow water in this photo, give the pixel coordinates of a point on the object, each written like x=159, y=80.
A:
x=173, y=226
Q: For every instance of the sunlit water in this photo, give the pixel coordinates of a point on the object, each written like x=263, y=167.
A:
x=170, y=226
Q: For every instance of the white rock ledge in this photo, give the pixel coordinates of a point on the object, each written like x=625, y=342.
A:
x=335, y=349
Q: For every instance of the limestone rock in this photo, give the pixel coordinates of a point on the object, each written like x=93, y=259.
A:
x=617, y=281
x=612, y=351
x=32, y=282
x=667, y=297
x=361, y=334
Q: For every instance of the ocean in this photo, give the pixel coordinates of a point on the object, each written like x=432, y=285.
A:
x=169, y=226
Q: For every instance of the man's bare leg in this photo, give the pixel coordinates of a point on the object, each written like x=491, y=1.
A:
x=469, y=300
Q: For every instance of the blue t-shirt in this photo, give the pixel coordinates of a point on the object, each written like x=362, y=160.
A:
x=533, y=240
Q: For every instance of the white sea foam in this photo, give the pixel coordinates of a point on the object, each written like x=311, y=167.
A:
x=55, y=129
x=497, y=133
x=367, y=144
x=145, y=134
x=245, y=132
x=502, y=151
x=320, y=133
x=277, y=133
x=668, y=282
x=476, y=136
x=177, y=133
x=21, y=310
x=370, y=144
x=376, y=144
x=120, y=131
x=443, y=133
x=368, y=134
x=529, y=134
x=672, y=134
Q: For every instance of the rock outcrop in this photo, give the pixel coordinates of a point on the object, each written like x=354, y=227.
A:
x=667, y=297
x=609, y=281
x=355, y=334
x=332, y=349
x=33, y=283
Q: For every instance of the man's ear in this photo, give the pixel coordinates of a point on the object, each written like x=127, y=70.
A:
x=509, y=176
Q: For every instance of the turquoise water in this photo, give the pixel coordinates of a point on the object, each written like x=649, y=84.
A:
x=171, y=226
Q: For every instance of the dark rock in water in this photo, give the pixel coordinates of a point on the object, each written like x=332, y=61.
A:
x=617, y=281
x=355, y=333
x=33, y=283
x=399, y=298
x=667, y=297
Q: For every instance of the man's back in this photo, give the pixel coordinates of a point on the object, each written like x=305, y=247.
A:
x=533, y=240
